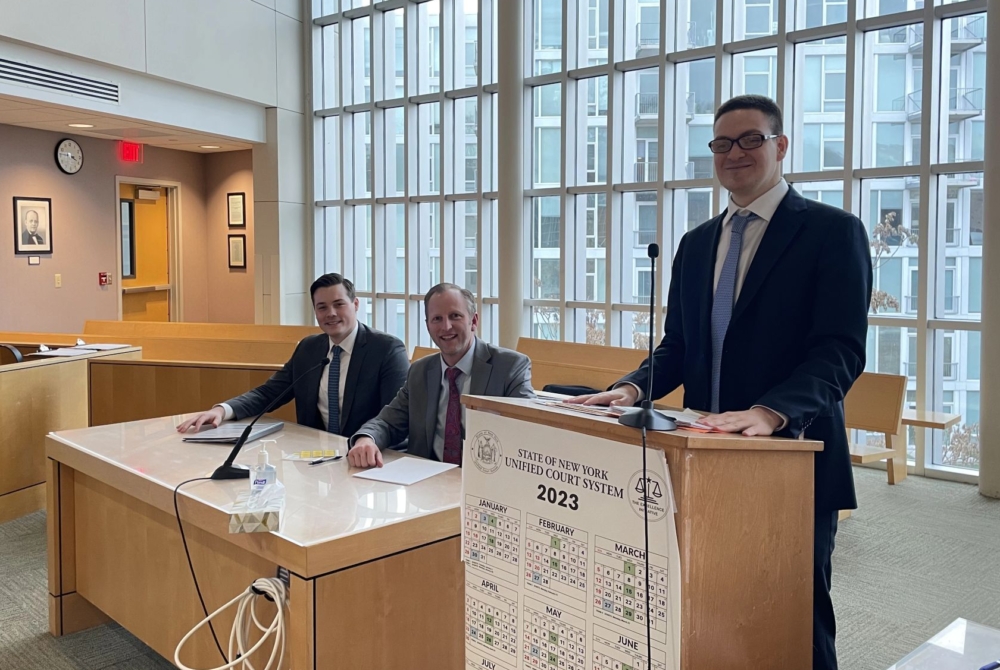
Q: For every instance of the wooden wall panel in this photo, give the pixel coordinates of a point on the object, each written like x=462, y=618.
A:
x=407, y=611
x=147, y=389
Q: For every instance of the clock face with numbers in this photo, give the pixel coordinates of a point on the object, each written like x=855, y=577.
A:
x=69, y=156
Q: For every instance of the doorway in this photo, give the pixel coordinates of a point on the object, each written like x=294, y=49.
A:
x=147, y=250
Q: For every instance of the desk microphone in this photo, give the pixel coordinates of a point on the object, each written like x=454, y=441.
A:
x=229, y=471
x=645, y=416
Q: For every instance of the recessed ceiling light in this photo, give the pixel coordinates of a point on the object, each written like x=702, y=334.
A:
x=81, y=125
x=209, y=146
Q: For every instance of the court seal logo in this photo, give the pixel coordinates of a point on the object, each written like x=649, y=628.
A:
x=651, y=493
x=486, y=452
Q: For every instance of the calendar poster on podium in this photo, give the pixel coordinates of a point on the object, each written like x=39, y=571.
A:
x=554, y=543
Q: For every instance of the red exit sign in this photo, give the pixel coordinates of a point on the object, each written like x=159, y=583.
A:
x=130, y=152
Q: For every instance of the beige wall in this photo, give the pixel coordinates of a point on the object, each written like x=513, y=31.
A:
x=231, y=291
x=83, y=232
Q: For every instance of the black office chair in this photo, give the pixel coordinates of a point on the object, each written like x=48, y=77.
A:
x=18, y=358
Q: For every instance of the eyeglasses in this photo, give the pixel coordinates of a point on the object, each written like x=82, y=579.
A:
x=723, y=145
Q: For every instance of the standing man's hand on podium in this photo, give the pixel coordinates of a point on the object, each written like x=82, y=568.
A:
x=625, y=395
x=759, y=421
x=364, y=453
x=213, y=416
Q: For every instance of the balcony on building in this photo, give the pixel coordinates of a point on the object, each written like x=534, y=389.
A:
x=647, y=106
x=915, y=38
x=647, y=39
x=646, y=170
x=967, y=32
x=643, y=238
x=698, y=168
x=963, y=104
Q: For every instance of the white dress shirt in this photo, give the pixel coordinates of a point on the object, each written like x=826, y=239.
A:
x=464, y=381
x=322, y=402
x=764, y=207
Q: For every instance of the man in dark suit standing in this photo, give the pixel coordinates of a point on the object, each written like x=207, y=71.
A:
x=428, y=409
x=366, y=369
x=767, y=321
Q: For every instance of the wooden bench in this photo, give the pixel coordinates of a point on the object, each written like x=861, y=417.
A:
x=574, y=364
x=875, y=404
x=422, y=352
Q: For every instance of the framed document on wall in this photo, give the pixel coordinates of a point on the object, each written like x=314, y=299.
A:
x=237, y=252
x=237, y=209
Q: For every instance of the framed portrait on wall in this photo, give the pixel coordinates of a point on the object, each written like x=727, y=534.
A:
x=237, y=252
x=237, y=209
x=32, y=226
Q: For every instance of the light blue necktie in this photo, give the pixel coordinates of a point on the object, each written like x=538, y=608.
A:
x=725, y=295
x=333, y=424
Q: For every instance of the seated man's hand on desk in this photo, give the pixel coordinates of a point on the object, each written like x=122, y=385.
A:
x=365, y=453
x=213, y=416
x=625, y=395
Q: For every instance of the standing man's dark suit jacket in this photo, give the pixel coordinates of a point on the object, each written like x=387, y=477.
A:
x=413, y=413
x=377, y=369
x=796, y=340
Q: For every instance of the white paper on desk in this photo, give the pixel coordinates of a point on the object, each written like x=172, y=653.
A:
x=405, y=471
x=65, y=351
x=102, y=347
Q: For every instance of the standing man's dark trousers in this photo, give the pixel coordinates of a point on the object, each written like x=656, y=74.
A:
x=824, y=623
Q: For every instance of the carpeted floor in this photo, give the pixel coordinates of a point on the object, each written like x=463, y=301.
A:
x=914, y=558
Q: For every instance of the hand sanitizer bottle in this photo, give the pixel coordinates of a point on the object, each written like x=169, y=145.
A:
x=263, y=474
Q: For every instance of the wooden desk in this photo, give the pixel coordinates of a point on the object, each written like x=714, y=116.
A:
x=37, y=396
x=745, y=529
x=377, y=580
x=938, y=420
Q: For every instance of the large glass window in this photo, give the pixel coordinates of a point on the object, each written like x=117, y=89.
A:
x=401, y=198
x=619, y=104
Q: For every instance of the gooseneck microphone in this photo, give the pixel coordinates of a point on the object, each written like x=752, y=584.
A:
x=229, y=471
x=645, y=416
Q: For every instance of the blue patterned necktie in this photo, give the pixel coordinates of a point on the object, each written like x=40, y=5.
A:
x=725, y=295
x=333, y=424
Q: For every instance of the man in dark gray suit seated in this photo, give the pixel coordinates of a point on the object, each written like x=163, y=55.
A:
x=366, y=369
x=428, y=410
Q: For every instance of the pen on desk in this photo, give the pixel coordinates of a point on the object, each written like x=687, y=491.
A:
x=324, y=460
x=991, y=666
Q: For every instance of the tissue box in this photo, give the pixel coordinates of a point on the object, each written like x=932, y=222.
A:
x=262, y=518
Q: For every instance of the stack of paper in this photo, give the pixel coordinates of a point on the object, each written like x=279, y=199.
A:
x=593, y=410
x=64, y=351
x=102, y=347
x=691, y=420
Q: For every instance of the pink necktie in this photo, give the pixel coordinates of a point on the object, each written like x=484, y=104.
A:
x=453, y=420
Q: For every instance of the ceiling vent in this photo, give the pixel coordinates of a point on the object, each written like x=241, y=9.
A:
x=53, y=80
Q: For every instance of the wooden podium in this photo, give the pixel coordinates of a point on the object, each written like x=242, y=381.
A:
x=745, y=532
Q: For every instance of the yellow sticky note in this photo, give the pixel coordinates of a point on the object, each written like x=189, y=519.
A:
x=304, y=454
x=317, y=453
x=328, y=453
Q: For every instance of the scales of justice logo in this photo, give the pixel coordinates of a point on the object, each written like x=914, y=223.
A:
x=486, y=452
x=649, y=492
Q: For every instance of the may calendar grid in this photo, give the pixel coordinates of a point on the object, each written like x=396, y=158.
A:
x=492, y=537
x=553, y=639
x=491, y=619
x=614, y=651
x=619, y=592
x=556, y=561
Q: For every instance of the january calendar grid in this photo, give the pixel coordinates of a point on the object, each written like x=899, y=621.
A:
x=492, y=537
x=619, y=592
x=556, y=561
x=491, y=617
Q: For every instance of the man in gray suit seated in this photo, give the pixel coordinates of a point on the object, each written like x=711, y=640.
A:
x=428, y=410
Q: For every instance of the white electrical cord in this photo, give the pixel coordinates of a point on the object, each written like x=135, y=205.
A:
x=246, y=614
